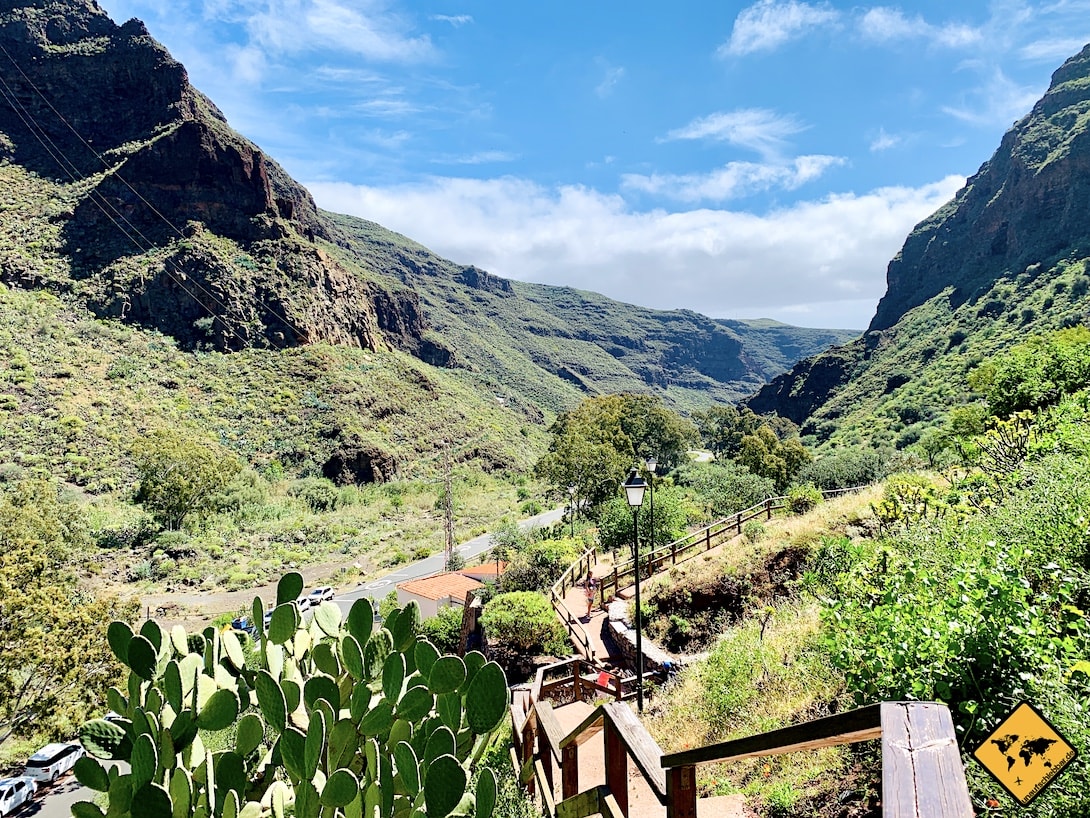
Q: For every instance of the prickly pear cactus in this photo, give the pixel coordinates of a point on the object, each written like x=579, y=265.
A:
x=329, y=718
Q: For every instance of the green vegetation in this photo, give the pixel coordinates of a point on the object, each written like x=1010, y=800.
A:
x=54, y=667
x=969, y=588
x=522, y=623
x=594, y=445
x=336, y=718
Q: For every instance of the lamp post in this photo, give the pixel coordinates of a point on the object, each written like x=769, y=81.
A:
x=652, y=463
x=634, y=487
x=571, y=507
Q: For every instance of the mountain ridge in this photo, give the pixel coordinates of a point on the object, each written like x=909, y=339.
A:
x=160, y=214
x=1004, y=258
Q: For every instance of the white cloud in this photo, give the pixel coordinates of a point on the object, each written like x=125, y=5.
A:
x=998, y=101
x=1054, y=51
x=456, y=20
x=479, y=158
x=613, y=75
x=375, y=33
x=734, y=180
x=882, y=24
x=822, y=259
x=768, y=24
x=884, y=141
x=756, y=128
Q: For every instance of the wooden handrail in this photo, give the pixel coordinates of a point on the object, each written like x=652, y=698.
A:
x=922, y=774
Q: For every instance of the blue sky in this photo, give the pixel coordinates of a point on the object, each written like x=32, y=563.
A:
x=743, y=160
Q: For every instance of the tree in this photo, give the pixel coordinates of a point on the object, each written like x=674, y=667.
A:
x=539, y=564
x=1037, y=373
x=726, y=488
x=54, y=665
x=180, y=474
x=523, y=622
x=723, y=427
x=595, y=444
x=615, y=521
x=766, y=455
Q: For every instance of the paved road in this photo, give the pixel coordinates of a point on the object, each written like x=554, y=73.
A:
x=376, y=589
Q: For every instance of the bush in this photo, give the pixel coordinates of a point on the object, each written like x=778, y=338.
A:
x=445, y=629
x=524, y=623
x=753, y=531
x=801, y=499
x=319, y=493
x=843, y=469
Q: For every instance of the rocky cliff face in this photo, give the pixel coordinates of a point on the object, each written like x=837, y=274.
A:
x=106, y=109
x=1027, y=204
x=1025, y=209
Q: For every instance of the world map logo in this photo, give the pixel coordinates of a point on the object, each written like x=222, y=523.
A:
x=1024, y=753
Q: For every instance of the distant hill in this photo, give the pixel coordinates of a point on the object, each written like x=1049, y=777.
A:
x=1007, y=257
x=127, y=193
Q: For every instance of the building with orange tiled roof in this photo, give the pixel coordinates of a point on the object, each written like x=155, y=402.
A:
x=437, y=591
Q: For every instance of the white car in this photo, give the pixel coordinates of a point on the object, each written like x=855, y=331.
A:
x=14, y=792
x=319, y=595
x=54, y=760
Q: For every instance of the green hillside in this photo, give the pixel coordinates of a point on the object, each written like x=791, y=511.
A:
x=1006, y=258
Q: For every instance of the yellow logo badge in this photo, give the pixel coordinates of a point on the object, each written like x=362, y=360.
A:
x=1024, y=753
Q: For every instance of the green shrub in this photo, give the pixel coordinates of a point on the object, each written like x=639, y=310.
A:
x=843, y=469
x=801, y=499
x=753, y=531
x=319, y=493
x=445, y=629
x=523, y=623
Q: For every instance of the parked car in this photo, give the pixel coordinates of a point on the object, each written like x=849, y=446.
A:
x=305, y=603
x=243, y=623
x=319, y=595
x=14, y=792
x=53, y=760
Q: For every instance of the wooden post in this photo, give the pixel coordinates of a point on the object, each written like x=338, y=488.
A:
x=673, y=553
x=569, y=772
x=578, y=681
x=707, y=539
x=922, y=773
x=738, y=521
x=616, y=765
x=528, y=751
x=545, y=756
x=681, y=792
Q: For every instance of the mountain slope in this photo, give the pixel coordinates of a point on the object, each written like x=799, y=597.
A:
x=1005, y=258
x=128, y=192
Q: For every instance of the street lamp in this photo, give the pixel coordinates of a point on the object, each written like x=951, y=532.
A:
x=633, y=489
x=652, y=464
x=571, y=507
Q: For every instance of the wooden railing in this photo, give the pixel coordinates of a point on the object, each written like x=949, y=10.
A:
x=575, y=574
x=704, y=539
x=922, y=774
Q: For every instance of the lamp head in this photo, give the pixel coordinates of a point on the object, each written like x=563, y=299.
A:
x=652, y=464
x=634, y=488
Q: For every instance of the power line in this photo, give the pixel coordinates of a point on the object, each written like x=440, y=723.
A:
x=116, y=217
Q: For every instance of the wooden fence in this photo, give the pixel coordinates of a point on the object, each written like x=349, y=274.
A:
x=922, y=774
x=704, y=539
